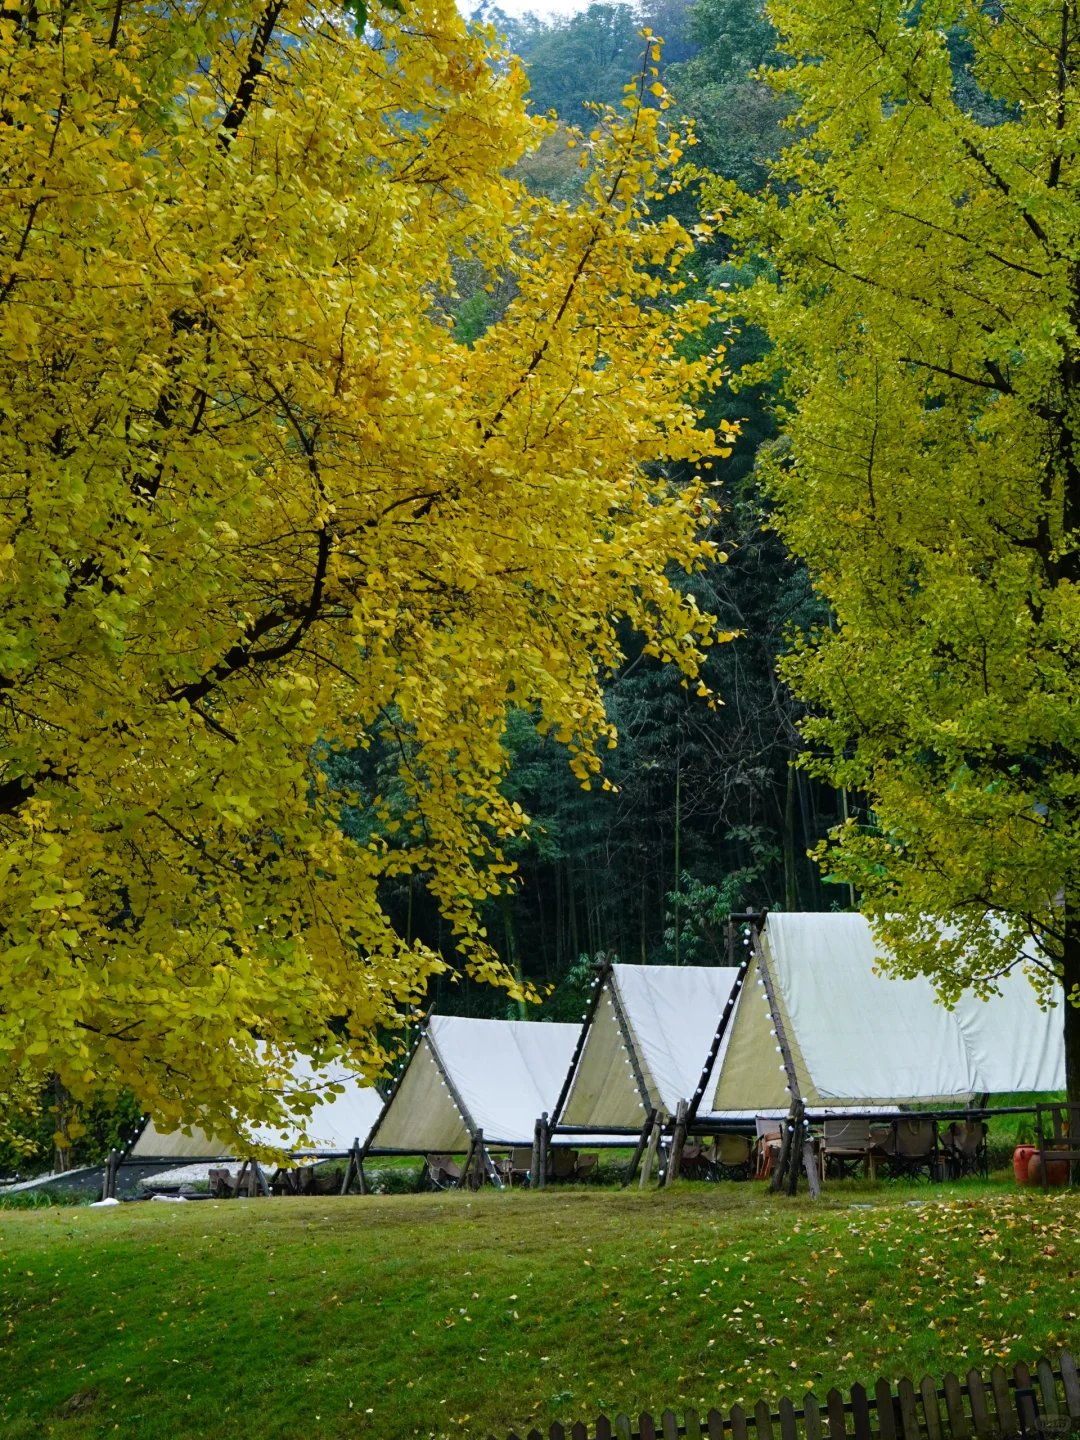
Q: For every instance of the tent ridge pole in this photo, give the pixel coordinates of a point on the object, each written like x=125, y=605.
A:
x=586, y=1025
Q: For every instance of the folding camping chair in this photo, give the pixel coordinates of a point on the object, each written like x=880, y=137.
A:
x=1062, y=1143
x=221, y=1183
x=849, y=1144
x=562, y=1164
x=586, y=1164
x=515, y=1167
x=769, y=1141
x=697, y=1162
x=732, y=1155
x=964, y=1144
x=443, y=1171
x=915, y=1147
x=727, y=1158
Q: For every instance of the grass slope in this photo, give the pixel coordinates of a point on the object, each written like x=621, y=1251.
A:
x=458, y=1315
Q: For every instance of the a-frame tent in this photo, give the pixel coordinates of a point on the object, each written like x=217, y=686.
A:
x=466, y=1078
x=815, y=1022
x=336, y=1122
x=644, y=1046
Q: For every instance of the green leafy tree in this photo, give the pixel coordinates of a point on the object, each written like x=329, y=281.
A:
x=925, y=316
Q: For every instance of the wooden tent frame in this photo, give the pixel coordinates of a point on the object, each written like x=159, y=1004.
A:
x=478, y=1158
x=657, y=1119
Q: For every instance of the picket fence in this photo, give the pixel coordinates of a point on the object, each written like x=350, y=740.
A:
x=971, y=1408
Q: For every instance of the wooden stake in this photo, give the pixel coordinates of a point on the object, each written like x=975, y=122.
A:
x=108, y=1191
x=776, y=1183
x=639, y=1150
x=810, y=1165
x=678, y=1140
x=477, y=1178
x=353, y=1164
x=650, y=1153
x=544, y=1138
x=795, y=1154
x=466, y=1168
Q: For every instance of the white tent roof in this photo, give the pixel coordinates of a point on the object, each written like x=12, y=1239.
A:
x=862, y=1038
x=334, y=1124
x=656, y=1021
x=498, y=1076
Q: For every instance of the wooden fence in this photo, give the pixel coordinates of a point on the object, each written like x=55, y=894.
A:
x=1044, y=1405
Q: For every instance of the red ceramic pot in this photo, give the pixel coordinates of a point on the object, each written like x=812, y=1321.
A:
x=1021, y=1160
x=1057, y=1171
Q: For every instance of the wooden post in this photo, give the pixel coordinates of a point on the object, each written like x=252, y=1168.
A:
x=108, y=1190
x=360, y=1158
x=776, y=1183
x=466, y=1167
x=543, y=1150
x=643, y=1140
x=534, y=1168
x=795, y=1156
x=650, y=1153
x=352, y=1164
x=477, y=1178
x=810, y=1165
x=678, y=1140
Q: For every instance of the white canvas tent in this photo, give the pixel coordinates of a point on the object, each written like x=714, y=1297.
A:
x=335, y=1123
x=465, y=1076
x=645, y=1044
x=859, y=1039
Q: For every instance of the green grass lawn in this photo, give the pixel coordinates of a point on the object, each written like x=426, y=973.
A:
x=461, y=1315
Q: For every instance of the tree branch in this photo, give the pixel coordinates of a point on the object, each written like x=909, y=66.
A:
x=245, y=92
x=242, y=655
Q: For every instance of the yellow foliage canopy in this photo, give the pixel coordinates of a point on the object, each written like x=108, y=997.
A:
x=256, y=498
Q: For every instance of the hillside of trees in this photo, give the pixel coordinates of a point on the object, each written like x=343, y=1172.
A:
x=708, y=812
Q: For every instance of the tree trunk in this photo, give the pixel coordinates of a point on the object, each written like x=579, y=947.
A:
x=61, y=1152
x=1070, y=960
x=644, y=913
x=791, y=889
x=512, y=951
x=571, y=900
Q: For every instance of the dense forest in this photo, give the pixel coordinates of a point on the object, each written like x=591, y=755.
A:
x=708, y=811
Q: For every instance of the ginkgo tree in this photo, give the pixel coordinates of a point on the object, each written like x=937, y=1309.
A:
x=255, y=499
x=925, y=312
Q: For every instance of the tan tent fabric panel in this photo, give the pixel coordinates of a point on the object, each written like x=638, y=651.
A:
x=807, y=1088
x=605, y=1090
x=870, y=1038
x=196, y=1146
x=749, y=1075
x=749, y=1065
x=870, y=1041
x=336, y=1121
x=422, y=1117
x=672, y=1012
